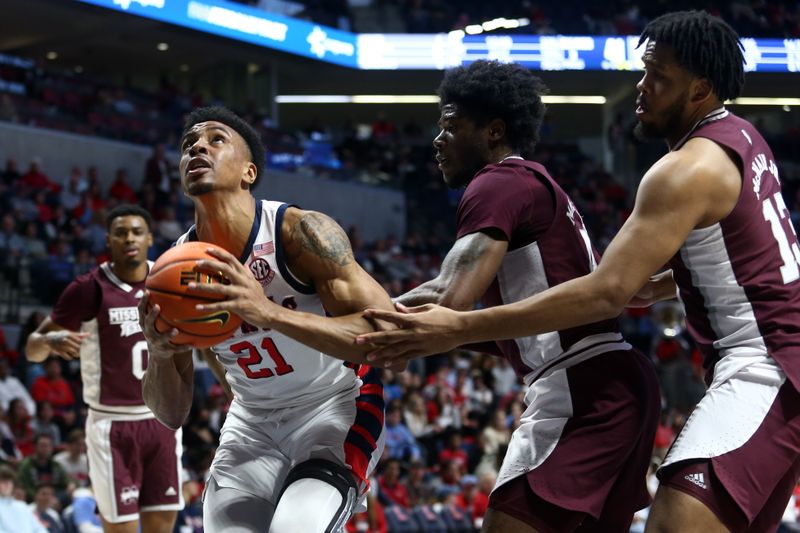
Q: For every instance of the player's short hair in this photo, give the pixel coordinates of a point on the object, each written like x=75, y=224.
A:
x=486, y=90
x=704, y=45
x=127, y=210
x=258, y=153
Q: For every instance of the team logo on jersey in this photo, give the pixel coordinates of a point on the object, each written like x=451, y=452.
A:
x=129, y=495
x=220, y=316
x=121, y=315
x=262, y=271
x=129, y=328
x=263, y=249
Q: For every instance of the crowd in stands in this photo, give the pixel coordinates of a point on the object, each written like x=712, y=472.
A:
x=751, y=18
x=449, y=418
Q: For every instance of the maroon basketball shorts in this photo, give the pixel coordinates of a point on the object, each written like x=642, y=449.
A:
x=134, y=466
x=580, y=455
x=739, y=450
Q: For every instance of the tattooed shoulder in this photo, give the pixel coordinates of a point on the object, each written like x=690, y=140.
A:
x=318, y=234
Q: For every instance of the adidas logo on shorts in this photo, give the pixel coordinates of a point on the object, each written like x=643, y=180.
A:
x=170, y=492
x=697, y=479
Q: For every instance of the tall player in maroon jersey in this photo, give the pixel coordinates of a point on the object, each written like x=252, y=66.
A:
x=134, y=460
x=519, y=233
x=711, y=208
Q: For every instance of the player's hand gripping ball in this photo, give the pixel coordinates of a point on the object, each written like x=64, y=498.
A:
x=168, y=283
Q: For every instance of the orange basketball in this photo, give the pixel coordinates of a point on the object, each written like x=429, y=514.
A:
x=168, y=283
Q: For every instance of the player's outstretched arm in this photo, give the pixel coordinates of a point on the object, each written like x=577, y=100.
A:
x=50, y=338
x=168, y=382
x=466, y=273
x=319, y=254
x=658, y=288
x=683, y=191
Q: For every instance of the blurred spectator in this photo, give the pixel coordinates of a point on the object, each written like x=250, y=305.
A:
x=40, y=467
x=472, y=500
x=73, y=458
x=392, y=490
x=82, y=515
x=11, y=388
x=10, y=175
x=35, y=180
x=420, y=490
x=8, y=111
x=19, y=422
x=400, y=443
x=159, y=173
x=15, y=516
x=70, y=195
x=121, y=190
x=43, y=422
x=53, y=388
x=494, y=437
x=45, y=508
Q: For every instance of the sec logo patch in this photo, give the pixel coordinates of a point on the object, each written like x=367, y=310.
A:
x=262, y=271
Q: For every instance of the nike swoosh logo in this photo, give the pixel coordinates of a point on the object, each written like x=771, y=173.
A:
x=222, y=317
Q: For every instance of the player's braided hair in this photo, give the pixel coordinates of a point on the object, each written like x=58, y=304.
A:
x=126, y=210
x=704, y=45
x=486, y=90
x=258, y=153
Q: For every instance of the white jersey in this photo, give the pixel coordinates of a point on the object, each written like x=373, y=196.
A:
x=264, y=368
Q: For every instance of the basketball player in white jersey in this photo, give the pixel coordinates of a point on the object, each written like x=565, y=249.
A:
x=305, y=429
x=712, y=209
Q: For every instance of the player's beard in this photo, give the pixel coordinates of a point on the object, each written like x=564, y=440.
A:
x=199, y=188
x=647, y=131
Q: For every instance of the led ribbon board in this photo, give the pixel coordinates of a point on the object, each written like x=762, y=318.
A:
x=246, y=24
x=424, y=51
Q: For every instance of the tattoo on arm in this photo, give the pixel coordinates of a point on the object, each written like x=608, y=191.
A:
x=464, y=255
x=322, y=237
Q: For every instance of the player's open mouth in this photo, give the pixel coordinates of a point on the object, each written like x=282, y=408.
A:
x=132, y=252
x=442, y=161
x=197, y=166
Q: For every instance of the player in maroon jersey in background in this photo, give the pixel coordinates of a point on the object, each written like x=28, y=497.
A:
x=519, y=233
x=134, y=461
x=711, y=208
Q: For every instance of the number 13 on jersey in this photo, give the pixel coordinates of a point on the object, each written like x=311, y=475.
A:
x=775, y=212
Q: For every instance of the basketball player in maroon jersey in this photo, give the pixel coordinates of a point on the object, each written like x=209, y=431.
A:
x=134, y=461
x=519, y=233
x=711, y=208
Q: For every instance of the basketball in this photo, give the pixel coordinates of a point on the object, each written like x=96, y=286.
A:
x=168, y=283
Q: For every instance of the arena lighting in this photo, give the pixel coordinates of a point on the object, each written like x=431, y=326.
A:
x=162, y=47
x=411, y=99
x=496, y=24
x=757, y=100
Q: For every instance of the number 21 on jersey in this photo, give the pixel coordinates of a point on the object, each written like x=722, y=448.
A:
x=251, y=359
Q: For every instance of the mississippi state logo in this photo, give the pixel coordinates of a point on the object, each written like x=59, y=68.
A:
x=262, y=271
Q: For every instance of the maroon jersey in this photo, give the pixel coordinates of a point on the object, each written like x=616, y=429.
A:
x=738, y=278
x=547, y=245
x=114, y=356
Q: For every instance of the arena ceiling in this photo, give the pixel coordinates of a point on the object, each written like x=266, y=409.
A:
x=116, y=45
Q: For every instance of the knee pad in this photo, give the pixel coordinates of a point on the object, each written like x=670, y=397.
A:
x=318, y=495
